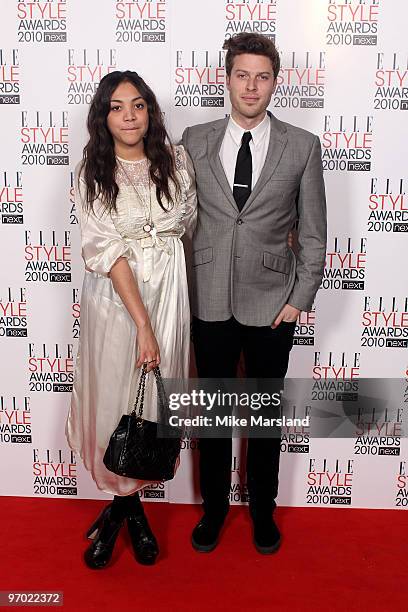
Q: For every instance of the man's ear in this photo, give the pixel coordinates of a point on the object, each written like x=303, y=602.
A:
x=227, y=82
x=274, y=86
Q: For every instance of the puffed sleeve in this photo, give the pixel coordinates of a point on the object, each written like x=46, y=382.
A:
x=190, y=194
x=101, y=243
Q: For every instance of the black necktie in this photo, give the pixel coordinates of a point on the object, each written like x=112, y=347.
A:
x=243, y=172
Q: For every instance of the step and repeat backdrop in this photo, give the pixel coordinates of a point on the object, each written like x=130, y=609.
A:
x=344, y=77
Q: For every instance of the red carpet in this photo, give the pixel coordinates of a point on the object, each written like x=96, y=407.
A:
x=330, y=559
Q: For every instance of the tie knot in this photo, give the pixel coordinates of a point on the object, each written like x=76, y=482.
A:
x=246, y=138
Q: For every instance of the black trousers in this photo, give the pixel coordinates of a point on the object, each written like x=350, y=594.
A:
x=218, y=347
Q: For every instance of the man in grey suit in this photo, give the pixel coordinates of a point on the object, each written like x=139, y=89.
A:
x=256, y=178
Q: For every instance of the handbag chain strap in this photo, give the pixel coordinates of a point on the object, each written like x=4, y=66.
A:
x=139, y=401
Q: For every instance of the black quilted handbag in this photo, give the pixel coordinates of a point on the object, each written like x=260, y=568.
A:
x=134, y=449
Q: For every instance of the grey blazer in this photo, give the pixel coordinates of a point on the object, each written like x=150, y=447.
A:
x=242, y=265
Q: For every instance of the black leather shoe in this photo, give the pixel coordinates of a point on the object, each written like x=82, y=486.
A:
x=267, y=537
x=143, y=541
x=103, y=532
x=206, y=534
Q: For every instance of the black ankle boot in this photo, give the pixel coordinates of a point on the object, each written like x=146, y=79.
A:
x=266, y=535
x=206, y=533
x=143, y=541
x=103, y=532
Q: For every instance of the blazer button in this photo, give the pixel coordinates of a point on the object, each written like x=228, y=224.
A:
x=239, y=221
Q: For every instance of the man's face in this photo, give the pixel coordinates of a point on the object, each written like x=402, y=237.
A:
x=251, y=85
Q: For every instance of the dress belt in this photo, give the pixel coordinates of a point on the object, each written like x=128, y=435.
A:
x=156, y=239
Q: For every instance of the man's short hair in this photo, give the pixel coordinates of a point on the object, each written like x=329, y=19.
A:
x=256, y=44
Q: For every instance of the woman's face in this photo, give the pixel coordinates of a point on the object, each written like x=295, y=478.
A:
x=128, y=118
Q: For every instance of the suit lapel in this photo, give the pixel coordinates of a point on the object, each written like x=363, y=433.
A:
x=277, y=143
x=214, y=139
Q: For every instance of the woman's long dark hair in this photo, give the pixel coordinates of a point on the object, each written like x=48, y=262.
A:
x=99, y=161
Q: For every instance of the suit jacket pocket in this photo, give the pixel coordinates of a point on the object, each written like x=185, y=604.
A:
x=276, y=263
x=202, y=256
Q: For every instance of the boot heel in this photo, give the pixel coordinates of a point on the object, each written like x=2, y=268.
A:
x=107, y=530
x=94, y=528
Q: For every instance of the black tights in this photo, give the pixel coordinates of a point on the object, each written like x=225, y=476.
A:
x=122, y=504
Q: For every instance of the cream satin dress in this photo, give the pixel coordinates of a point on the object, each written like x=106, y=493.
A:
x=106, y=376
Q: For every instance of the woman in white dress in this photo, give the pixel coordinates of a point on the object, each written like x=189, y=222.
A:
x=135, y=196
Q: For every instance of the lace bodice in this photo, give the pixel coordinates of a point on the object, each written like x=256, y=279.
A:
x=135, y=206
x=107, y=236
x=129, y=172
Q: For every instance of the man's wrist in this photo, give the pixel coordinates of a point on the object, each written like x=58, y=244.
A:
x=293, y=306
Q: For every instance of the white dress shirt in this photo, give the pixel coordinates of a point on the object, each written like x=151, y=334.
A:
x=258, y=144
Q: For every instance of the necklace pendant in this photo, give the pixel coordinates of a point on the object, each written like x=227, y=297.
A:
x=148, y=228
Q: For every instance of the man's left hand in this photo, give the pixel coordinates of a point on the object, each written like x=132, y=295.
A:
x=289, y=314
